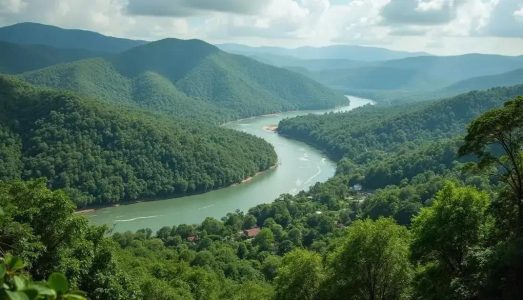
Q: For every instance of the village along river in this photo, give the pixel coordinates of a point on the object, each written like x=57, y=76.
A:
x=299, y=167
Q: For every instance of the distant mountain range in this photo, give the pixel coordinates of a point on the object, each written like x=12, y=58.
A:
x=195, y=79
x=15, y=58
x=349, y=52
x=188, y=78
x=485, y=82
x=40, y=34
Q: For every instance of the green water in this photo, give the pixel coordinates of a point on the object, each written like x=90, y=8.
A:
x=299, y=167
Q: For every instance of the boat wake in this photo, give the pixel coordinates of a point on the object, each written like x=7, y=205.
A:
x=134, y=219
x=313, y=176
x=205, y=207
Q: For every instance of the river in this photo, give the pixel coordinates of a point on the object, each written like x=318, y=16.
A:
x=299, y=167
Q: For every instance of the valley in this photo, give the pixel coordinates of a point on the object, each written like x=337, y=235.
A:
x=299, y=167
x=229, y=151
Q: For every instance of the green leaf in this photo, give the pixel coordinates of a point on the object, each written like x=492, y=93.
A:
x=41, y=290
x=58, y=282
x=14, y=263
x=73, y=297
x=19, y=283
x=2, y=271
x=16, y=296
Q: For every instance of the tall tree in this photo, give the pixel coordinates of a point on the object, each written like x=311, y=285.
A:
x=446, y=238
x=371, y=263
x=299, y=276
x=496, y=137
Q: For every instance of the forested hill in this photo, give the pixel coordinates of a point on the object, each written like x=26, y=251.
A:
x=485, y=82
x=415, y=78
x=101, y=154
x=39, y=34
x=392, y=143
x=460, y=238
x=15, y=58
x=189, y=78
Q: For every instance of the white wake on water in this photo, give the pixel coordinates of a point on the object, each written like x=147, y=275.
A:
x=137, y=218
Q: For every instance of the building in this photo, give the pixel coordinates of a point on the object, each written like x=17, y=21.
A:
x=250, y=233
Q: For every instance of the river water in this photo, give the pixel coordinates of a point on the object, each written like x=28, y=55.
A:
x=299, y=167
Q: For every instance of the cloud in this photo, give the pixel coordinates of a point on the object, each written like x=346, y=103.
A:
x=418, y=12
x=12, y=6
x=439, y=26
x=506, y=20
x=186, y=8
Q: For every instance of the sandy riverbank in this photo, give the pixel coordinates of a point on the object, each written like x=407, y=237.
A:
x=271, y=127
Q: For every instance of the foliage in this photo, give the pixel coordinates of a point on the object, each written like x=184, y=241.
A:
x=39, y=227
x=447, y=237
x=371, y=262
x=189, y=79
x=14, y=285
x=22, y=58
x=497, y=137
x=379, y=146
x=28, y=33
x=299, y=276
x=101, y=154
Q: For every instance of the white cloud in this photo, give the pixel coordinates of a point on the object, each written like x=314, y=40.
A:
x=433, y=5
x=12, y=6
x=420, y=25
x=518, y=14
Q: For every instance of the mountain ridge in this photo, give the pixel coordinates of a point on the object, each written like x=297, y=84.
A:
x=231, y=85
x=54, y=36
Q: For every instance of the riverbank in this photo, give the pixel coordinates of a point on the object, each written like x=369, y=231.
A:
x=299, y=167
x=271, y=127
x=94, y=208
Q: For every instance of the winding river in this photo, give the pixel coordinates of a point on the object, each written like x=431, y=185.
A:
x=299, y=167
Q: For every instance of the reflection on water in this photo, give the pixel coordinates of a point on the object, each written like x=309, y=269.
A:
x=299, y=167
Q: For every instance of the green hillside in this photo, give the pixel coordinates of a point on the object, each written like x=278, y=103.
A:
x=167, y=75
x=486, y=82
x=429, y=237
x=414, y=78
x=382, y=145
x=40, y=34
x=102, y=154
x=21, y=58
x=352, y=52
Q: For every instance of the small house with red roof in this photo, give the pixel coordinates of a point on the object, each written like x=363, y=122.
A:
x=250, y=233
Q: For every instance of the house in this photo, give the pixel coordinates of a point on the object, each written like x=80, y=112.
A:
x=250, y=233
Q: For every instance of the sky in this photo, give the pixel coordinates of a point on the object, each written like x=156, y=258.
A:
x=444, y=27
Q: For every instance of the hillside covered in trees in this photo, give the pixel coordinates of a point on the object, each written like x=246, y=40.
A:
x=16, y=58
x=101, y=154
x=188, y=79
x=463, y=244
x=378, y=146
x=29, y=33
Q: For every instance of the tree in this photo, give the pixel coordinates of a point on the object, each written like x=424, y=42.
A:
x=264, y=240
x=299, y=276
x=496, y=137
x=372, y=262
x=17, y=286
x=446, y=237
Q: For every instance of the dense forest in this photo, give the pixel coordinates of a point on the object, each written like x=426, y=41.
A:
x=190, y=79
x=426, y=203
x=29, y=33
x=321, y=244
x=16, y=58
x=100, y=154
x=378, y=146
